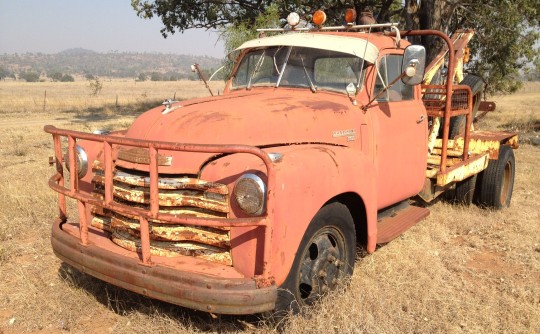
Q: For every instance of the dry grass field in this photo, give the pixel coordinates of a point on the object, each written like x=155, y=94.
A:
x=461, y=270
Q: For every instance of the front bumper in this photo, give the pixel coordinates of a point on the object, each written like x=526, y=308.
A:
x=178, y=285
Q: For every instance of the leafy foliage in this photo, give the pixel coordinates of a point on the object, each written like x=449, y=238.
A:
x=5, y=73
x=506, y=33
x=506, y=30
x=95, y=87
x=67, y=78
x=29, y=76
x=58, y=76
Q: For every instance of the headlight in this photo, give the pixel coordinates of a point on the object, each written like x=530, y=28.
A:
x=250, y=194
x=81, y=161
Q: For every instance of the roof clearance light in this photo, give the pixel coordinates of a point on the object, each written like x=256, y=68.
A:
x=350, y=16
x=293, y=19
x=319, y=17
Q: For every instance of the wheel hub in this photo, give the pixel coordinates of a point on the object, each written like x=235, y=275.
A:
x=321, y=269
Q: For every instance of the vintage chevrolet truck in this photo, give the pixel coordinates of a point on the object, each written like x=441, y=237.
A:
x=325, y=139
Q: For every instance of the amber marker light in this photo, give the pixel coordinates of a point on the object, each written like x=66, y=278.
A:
x=319, y=17
x=350, y=16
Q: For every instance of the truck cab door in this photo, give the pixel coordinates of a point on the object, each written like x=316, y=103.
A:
x=400, y=133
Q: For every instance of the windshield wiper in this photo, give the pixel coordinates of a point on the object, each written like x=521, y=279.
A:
x=311, y=85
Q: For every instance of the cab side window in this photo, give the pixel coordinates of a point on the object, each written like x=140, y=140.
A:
x=389, y=68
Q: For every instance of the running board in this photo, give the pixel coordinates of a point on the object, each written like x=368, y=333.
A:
x=390, y=227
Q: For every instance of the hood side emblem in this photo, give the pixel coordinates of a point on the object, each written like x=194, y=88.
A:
x=349, y=134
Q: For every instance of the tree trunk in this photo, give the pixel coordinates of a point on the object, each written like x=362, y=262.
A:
x=431, y=15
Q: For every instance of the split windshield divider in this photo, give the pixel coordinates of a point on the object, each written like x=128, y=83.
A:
x=284, y=65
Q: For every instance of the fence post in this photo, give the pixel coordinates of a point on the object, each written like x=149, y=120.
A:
x=45, y=101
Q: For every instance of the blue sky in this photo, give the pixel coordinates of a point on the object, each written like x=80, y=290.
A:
x=50, y=26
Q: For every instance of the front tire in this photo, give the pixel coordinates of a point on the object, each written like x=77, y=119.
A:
x=325, y=259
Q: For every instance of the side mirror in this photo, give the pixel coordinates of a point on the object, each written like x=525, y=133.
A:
x=414, y=65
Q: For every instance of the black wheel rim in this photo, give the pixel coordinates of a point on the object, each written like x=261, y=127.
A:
x=322, y=265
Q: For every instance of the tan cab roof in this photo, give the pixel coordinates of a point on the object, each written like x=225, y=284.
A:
x=351, y=45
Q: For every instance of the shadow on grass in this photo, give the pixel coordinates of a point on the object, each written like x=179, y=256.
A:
x=124, y=303
x=528, y=130
x=530, y=125
x=110, y=111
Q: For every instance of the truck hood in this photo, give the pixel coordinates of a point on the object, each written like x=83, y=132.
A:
x=266, y=117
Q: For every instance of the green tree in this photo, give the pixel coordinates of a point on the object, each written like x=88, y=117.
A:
x=142, y=77
x=67, y=78
x=5, y=73
x=156, y=76
x=30, y=76
x=506, y=30
x=55, y=76
x=95, y=86
x=532, y=72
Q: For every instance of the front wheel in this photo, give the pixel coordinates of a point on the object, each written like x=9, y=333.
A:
x=323, y=261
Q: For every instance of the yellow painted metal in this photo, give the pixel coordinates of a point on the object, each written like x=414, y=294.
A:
x=172, y=249
x=177, y=196
x=433, y=132
x=170, y=232
x=477, y=145
x=464, y=170
x=460, y=39
x=435, y=161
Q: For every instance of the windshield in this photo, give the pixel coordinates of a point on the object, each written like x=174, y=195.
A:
x=311, y=68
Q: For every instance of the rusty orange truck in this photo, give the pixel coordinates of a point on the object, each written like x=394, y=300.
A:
x=324, y=139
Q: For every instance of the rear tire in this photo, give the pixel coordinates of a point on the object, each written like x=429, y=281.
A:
x=464, y=192
x=496, y=182
x=325, y=259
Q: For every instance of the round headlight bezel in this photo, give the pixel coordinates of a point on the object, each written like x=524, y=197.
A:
x=82, y=161
x=258, y=186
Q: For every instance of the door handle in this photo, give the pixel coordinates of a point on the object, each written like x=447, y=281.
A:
x=421, y=119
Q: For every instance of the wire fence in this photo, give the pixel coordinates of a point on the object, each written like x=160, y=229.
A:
x=46, y=97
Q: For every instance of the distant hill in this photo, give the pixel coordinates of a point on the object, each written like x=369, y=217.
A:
x=79, y=61
x=76, y=52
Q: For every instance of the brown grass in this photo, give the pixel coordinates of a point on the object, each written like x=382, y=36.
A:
x=462, y=270
x=51, y=97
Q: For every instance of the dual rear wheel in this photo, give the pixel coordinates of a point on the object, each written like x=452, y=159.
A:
x=493, y=187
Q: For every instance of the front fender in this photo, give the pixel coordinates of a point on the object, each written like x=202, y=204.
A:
x=307, y=178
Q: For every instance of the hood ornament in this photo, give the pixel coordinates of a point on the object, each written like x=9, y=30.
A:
x=168, y=106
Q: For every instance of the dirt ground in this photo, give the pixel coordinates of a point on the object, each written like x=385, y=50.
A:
x=461, y=270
